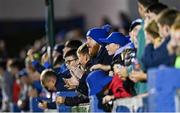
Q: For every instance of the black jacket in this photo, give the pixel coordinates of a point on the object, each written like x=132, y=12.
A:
x=102, y=57
x=155, y=57
x=82, y=90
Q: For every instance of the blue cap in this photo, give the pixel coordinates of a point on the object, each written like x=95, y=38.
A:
x=96, y=81
x=135, y=23
x=117, y=38
x=23, y=73
x=99, y=32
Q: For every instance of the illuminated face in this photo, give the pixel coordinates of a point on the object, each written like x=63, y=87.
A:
x=112, y=48
x=149, y=37
x=163, y=30
x=149, y=16
x=83, y=59
x=93, y=46
x=141, y=10
x=50, y=83
x=176, y=35
x=24, y=79
x=71, y=61
x=134, y=33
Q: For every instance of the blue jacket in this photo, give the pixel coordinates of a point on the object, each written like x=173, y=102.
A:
x=155, y=57
x=62, y=72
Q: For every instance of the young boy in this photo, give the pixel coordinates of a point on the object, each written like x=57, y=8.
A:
x=142, y=5
x=174, y=44
x=160, y=56
x=153, y=10
x=53, y=82
x=84, y=57
x=121, y=86
x=82, y=89
x=133, y=31
x=152, y=35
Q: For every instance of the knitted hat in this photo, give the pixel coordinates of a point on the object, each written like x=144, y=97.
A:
x=99, y=32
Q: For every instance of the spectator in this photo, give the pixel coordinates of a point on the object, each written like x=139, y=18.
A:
x=97, y=52
x=152, y=34
x=114, y=42
x=23, y=102
x=160, y=55
x=174, y=44
x=97, y=89
x=14, y=68
x=133, y=31
x=84, y=57
x=153, y=10
x=82, y=88
x=142, y=5
x=71, y=44
x=6, y=86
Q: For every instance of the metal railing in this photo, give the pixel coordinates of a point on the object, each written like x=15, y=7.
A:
x=133, y=104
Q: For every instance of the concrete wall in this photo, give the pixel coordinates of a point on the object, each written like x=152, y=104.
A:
x=133, y=6
x=32, y=9
x=92, y=9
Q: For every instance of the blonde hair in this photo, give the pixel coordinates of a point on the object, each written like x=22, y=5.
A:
x=83, y=49
x=152, y=29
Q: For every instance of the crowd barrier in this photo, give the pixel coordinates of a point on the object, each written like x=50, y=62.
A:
x=163, y=85
x=133, y=104
x=163, y=95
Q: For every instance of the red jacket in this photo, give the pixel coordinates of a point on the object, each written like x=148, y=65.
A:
x=117, y=88
x=16, y=92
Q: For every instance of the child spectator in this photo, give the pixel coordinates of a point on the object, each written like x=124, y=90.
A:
x=142, y=5
x=133, y=31
x=152, y=34
x=160, y=55
x=96, y=89
x=6, y=86
x=23, y=102
x=82, y=89
x=174, y=44
x=153, y=10
x=84, y=57
x=121, y=86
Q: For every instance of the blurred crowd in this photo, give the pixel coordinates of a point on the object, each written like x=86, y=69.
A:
x=108, y=63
